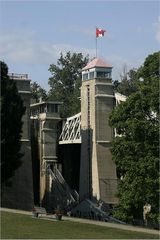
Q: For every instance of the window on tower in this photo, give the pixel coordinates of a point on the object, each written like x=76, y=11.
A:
x=103, y=75
x=85, y=76
x=91, y=75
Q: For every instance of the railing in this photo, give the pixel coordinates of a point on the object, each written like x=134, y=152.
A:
x=76, y=195
x=63, y=187
x=18, y=76
x=63, y=182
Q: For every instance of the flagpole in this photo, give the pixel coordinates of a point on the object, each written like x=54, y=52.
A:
x=96, y=46
x=99, y=33
x=96, y=42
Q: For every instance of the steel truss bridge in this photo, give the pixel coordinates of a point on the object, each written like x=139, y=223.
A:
x=71, y=131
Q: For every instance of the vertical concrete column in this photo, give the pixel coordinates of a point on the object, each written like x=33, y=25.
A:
x=20, y=194
x=97, y=170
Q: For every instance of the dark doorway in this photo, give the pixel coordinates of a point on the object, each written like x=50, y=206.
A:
x=69, y=156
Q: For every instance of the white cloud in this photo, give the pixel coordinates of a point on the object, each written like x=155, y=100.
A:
x=22, y=47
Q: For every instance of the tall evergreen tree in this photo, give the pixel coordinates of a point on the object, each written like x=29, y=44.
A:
x=136, y=149
x=66, y=81
x=12, y=110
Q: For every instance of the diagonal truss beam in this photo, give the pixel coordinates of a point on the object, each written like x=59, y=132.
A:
x=71, y=132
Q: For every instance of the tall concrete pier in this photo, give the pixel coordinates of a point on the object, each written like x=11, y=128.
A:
x=97, y=171
x=44, y=128
x=20, y=194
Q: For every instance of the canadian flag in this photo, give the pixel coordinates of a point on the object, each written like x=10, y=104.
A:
x=100, y=32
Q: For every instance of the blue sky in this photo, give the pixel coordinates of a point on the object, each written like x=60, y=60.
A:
x=33, y=33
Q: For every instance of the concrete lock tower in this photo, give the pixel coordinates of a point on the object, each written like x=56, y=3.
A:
x=98, y=177
x=45, y=117
x=20, y=194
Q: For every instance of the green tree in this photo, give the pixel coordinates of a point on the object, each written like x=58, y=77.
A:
x=115, y=85
x=129, y=82
x=66, y=81
x=136, y=149
x=12, y=110
x=37, y=92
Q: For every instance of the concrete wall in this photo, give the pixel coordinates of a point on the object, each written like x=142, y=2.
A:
x=20, y=194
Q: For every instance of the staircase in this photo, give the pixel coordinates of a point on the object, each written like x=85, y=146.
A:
x=91, y=210
x=60, y=194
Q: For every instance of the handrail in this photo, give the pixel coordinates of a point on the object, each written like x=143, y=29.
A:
x=60, y=177
x=64, y=186
x=18, y=76
x=62, y=181
x=76, y=194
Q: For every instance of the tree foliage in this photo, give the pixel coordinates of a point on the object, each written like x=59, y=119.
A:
x=129, y=82
x=136, y=149
x=37, y=92
x=65, y=82
x=12, y=110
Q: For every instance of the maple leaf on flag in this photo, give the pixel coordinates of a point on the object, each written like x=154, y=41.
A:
x=100, y=32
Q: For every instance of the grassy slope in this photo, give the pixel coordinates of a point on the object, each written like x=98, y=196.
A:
x=17, y=226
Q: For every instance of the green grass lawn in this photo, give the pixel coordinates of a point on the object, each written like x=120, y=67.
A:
x=18, y=226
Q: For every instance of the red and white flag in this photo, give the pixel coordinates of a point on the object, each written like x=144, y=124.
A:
x=100, y=32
